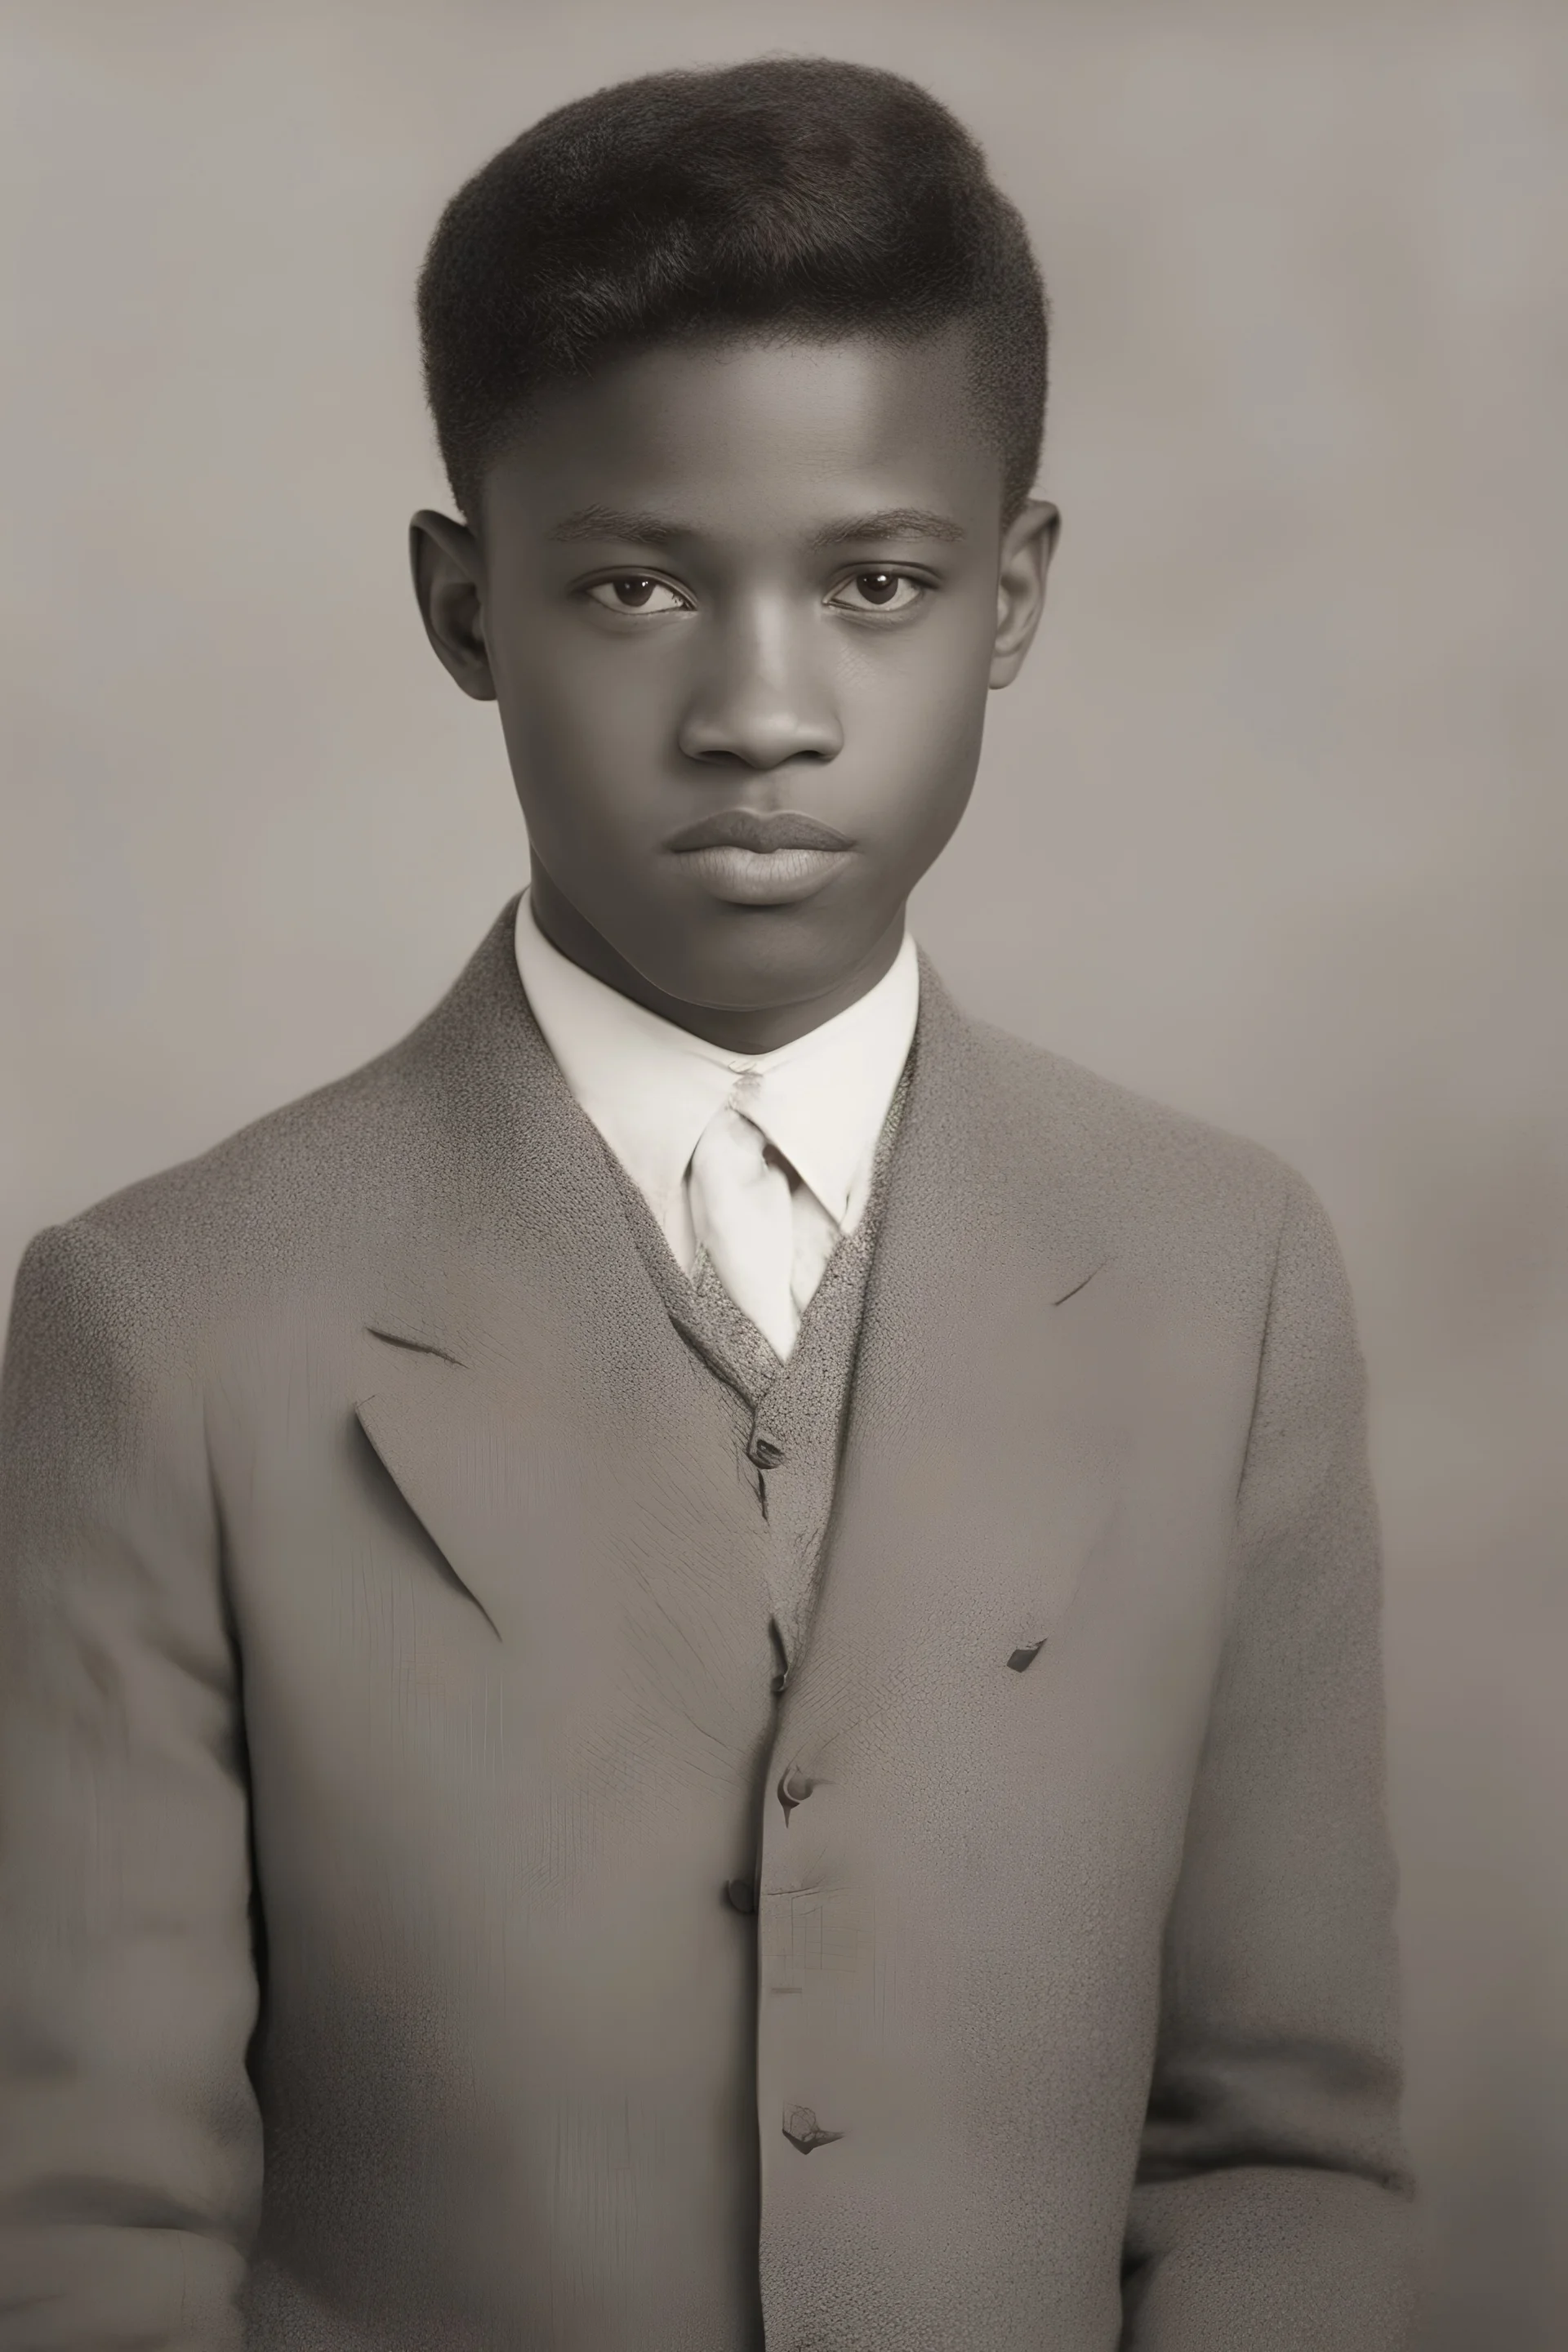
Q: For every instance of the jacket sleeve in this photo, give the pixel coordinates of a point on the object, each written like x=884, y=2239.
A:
x=129, y=2139
x=1272, y=2209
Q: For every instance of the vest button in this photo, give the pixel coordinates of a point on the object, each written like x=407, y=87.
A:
x=793, y=1786
x=742, y=1895
x=763, y=1450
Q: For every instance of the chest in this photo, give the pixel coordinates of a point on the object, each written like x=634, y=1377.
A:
x=552, y=1594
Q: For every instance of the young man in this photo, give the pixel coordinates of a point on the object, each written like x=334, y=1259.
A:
x=696, y=1666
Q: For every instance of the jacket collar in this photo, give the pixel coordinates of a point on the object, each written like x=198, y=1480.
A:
x=510, y=1182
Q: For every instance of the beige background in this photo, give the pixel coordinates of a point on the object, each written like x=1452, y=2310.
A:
x=1275, y=828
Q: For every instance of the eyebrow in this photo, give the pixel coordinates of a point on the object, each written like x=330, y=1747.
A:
x=642, y=529
x=888, y=522
x=619, y=522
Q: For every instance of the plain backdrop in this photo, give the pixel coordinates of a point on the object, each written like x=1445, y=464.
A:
x=1274, y=827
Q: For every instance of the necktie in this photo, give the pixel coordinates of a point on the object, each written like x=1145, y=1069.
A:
x=743, y=1216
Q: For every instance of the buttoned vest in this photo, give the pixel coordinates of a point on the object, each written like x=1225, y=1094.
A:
x=788, y=1417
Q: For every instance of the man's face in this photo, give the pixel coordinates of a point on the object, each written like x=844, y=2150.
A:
x=741, y=606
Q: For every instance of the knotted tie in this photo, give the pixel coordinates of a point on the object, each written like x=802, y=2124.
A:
x=743, y=1216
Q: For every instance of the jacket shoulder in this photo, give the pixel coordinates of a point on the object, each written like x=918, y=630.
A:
x=268, y=1210
x=302, y=1162
x=1144, y=1159
x=300, y=1185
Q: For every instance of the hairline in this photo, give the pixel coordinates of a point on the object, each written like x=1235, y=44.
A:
x=721, y=335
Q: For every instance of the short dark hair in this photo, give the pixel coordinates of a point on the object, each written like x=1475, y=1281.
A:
x=788, y=194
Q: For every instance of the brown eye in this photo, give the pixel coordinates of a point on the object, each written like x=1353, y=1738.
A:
x=880, y=592
x=634, y=592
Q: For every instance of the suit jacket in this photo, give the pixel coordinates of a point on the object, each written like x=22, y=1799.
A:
x=385, y=1701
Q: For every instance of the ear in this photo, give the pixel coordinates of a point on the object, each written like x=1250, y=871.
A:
x=448, y=580
x=1027, y=545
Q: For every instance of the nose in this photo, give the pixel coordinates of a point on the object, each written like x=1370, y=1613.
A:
x=762, y=699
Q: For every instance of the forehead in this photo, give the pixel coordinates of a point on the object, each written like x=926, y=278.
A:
x=757, y=434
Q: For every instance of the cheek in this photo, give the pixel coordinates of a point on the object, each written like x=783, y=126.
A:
x=915, y=707
x=573, y=720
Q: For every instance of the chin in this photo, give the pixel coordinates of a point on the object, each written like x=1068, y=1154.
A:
x=761, y=957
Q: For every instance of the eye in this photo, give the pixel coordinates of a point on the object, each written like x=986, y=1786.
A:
x=633, y=592
x=878, y=592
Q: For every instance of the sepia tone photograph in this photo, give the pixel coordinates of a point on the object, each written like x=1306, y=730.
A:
x=783, y=1177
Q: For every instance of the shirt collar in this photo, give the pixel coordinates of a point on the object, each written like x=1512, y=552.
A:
x=650, y=1088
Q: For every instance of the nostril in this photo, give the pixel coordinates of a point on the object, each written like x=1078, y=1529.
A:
x=755, y=757
x=758, y=736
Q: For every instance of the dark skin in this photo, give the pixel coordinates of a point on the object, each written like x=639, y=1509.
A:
x=741, y=581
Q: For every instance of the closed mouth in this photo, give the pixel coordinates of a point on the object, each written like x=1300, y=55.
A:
x=746, y=829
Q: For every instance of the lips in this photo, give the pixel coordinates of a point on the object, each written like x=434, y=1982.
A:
x=746, y=829
x=745, y=859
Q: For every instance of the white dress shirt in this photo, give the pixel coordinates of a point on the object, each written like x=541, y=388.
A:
x=652, y=1088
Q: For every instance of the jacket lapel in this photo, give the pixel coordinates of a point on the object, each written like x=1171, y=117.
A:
x=522, y=1384
x=973, y=1488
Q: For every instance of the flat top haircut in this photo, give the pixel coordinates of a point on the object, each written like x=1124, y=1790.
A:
x=793, y=195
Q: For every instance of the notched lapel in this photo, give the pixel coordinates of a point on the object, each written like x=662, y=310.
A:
x=584, y=1507
x=471, y=1456
x=377, y=1426
x=415, y=1347
x=516, y=1380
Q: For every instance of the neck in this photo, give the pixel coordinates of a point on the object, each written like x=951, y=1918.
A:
x=748, y=1029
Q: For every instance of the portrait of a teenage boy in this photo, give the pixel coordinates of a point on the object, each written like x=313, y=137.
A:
x=696, y=1666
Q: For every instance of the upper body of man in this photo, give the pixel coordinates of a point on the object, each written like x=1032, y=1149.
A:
x=696, y=1666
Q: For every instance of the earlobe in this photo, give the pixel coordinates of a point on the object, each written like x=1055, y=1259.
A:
x=448, y=584
x=1027, y=550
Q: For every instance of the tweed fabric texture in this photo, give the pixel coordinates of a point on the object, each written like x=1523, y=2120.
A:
x=384, y=1706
